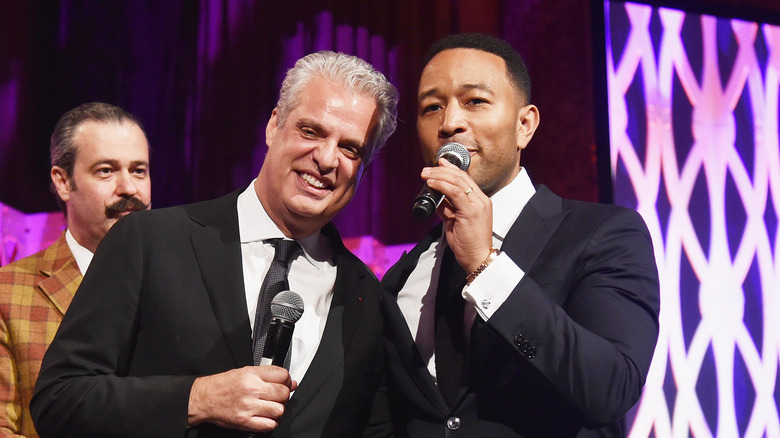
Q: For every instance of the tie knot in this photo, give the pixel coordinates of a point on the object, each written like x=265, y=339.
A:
x=285, y=250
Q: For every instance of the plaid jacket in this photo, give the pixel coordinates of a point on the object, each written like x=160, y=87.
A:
x=34, y=294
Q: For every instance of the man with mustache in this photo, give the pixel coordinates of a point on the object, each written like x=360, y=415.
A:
x=100, y=172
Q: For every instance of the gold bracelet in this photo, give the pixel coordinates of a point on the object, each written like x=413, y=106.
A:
x=492, y=256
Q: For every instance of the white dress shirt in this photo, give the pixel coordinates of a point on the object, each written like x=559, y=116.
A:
x=312, y=276
x=487, y=292
x=82, y=255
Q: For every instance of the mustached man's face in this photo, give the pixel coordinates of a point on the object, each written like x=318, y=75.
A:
x=110, y=179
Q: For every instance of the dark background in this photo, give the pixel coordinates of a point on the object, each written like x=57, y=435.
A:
x=203, y=77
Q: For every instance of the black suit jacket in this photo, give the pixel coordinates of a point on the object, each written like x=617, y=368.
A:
x=163, y=303
x=566, y=354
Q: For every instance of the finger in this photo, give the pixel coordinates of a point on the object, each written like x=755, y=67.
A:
x=273, y=374
x=452, y=175
x=262, y=424
x=274, y=392
x=446, y=211
x=443, y=162
x=456, y=189
x=268, y=409
x=464, y=181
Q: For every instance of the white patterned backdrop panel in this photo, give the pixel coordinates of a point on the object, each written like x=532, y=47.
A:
x=693, y=115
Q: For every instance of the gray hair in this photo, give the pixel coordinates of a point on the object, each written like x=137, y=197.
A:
x=352, y=72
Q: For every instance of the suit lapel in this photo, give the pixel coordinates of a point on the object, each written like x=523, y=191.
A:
x=218, y=251
x=344, y=317
x=395, y=278
x=397, y=329
x=533, y=228
x=62, y=274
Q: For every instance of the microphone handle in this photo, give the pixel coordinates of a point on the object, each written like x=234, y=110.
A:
x=425, y=203
x=277, y=342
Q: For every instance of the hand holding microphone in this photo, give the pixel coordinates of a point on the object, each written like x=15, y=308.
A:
x=468, y=216
x=428, y=199
x=259, y=393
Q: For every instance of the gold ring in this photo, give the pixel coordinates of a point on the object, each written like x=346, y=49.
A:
x=469, y=191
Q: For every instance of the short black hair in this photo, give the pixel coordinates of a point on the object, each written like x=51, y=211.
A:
x=518, y=72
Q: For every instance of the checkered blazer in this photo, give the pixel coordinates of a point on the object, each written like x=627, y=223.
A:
x=34, y=294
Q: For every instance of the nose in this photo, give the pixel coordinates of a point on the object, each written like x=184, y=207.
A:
x=126, y=185
x=326, y=156
x=454, y=121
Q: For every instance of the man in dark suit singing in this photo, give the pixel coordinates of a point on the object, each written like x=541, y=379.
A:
x=524, y=315
x=159, y=340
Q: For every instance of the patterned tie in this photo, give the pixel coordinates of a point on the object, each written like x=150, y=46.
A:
x=275, y=281
x=449, y=343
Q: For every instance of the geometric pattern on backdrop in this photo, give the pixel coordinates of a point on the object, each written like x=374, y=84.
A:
x=693, y=116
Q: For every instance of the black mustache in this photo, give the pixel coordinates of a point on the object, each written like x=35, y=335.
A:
x=125, y=204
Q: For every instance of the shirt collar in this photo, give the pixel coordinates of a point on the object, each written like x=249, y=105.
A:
x=255, y=225
x=510, y=201
x=82, y=255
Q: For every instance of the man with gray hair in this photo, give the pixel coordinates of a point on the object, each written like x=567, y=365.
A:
x=185, y=288
x=99, y=173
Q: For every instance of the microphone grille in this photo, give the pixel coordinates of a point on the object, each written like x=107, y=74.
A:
x=456, y=154
x=287, y=305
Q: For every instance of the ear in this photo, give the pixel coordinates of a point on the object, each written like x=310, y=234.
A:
x=61, y=182
x=527, y=122
x=271, y=127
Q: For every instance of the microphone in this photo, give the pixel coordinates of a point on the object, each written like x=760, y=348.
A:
x=286, y=310
x=428, y=199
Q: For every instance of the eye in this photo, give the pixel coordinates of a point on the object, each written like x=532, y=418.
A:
x=308, y=132
x=477, y=101
x=351, y=152
x=140, y=172
x=103, y=171
x=430, y=108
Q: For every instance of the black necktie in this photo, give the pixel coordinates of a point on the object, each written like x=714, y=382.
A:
x=275, y=281
x=449, y=343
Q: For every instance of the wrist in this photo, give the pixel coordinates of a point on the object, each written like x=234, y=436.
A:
x=195, y=413
x=494, y=253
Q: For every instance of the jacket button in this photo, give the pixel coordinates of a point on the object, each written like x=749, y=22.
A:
x=519, y=340
x=453, y=423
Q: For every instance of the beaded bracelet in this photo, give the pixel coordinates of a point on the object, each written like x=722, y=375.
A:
x=492, y=256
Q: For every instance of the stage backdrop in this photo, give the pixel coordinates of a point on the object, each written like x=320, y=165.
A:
x=203, y=77
x=693, y=129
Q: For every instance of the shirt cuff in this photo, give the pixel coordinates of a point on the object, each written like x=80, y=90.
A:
x=492, y=287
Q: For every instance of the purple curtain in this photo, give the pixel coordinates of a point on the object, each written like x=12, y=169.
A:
x=203, y=78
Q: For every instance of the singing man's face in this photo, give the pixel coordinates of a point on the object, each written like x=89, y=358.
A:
x=465, y=96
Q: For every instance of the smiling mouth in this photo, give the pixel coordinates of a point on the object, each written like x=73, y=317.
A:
x=312, y=181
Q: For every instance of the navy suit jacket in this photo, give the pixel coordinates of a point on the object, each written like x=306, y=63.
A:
x=566, y=355
x=163, y=303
